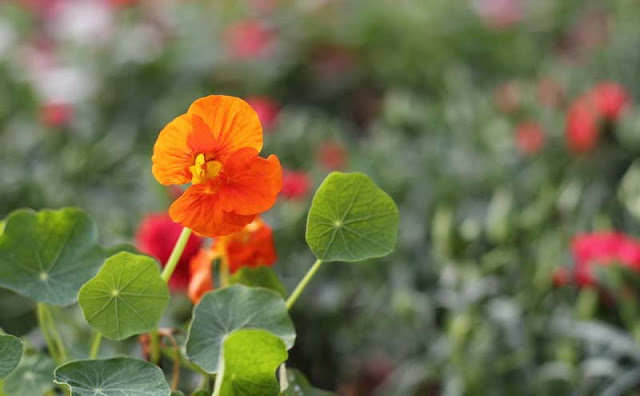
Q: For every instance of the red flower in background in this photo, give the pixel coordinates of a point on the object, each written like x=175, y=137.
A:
x=156, y=236
x=582, y=126
x=332, y=155
x=249, y=39
x=295, y=184
x=603, y=249
x=500, y=14
x=529, y=138
x=267, y=110
x=610, y=99
x=56, y=115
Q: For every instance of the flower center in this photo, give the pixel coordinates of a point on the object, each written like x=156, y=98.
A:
x=203, y=170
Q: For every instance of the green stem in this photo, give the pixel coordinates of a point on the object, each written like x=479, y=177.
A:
x=224, y=272
x=303, y=283
x=155, y=346
x=175, y=254
x=51, y=335
x=95, y=345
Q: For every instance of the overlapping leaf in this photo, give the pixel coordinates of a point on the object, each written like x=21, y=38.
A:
x=351, y=219
x=121, y=376
x=261, y=276
x=10, y=354
x=224, y=311
x=49, y=255
x=298, y=385
x=127, y=297
x=34, y=376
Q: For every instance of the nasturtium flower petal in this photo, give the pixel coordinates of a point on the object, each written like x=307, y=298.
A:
x=232, y=121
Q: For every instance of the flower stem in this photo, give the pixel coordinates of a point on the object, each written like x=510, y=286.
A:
x=51, y=335
x=175, y=254
x=303, y=283
x=95, y=345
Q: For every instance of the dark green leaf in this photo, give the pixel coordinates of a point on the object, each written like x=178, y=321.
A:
x=299, y=386
x=250, y=360
x=49, y=255
x=127, y=297
x=121, y=376
x=261, y=276
x=10, y=354
x=220, y=313
x=34, y=376
x=351, y=219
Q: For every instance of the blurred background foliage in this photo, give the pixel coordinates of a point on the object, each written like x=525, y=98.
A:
x=426, y=97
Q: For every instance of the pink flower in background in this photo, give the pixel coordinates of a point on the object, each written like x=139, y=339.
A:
x=529, y=138
x=610, y=99
x=332, y=155
x=156, y=236
x=508, y=97
x=295, y=185
x=249, y=39
x=56, y=115
x=267, y=110
x=499, y=14
x=582, y=132
x=603, y=249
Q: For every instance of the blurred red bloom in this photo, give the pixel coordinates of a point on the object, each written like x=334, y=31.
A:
x=56, y=115
x=582, y=126
x=610, y=99
x=500, y=14
x=332, y=155
x=249, y=39
x=156, y=236
x=267, y=110
x=295, y=184
x=200, y=268
x=529, y=138
x=561, y=277
x=603, y=249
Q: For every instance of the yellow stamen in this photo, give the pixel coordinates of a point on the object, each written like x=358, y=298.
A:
x=203, y=170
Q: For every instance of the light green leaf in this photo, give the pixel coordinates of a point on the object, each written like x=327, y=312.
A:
x=201, y=392
x=10, y=354
x=127, y=297
x=178, y=393
x=34, y=376
x=49, y=255
x=121, y=376
x=351, y=219
x=250, y=360
x=260, y=276
x=220, y=313
x=299, y=386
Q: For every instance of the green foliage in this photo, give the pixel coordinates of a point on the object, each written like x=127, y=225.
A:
x=112, y=377
x=261, y=276
x=249, y=363
x=33, y=376
x=299, y=385
x=127, y=297
x=224, y=311
x=49, y=255
x=351, y=219
x=10, y=354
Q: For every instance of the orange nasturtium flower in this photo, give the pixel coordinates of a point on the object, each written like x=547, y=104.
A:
x=251, y=247
x=215, y=146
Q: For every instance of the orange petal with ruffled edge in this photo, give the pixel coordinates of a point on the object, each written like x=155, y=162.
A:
x=177, y=146
x=250, y=184
x=232, y=121
x=199, y=209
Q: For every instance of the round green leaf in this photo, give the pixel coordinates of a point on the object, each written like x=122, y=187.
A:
x=298, y=385
x=250, y=360
x=49, y=255
x=10, y=354
x=351, y=219
x=33, y=376
x=220, y=313
x=127, y=297
x=260, y=276
x=121, y=376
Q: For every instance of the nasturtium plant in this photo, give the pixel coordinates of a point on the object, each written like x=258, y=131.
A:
x=261, y=276
x=298, y=385
x=224, y=311
x=351, y=219
x=127, y=297
x=10, y=354
x=49, y=255
x=33, y=376
x=122, y=376
x=250, y=358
